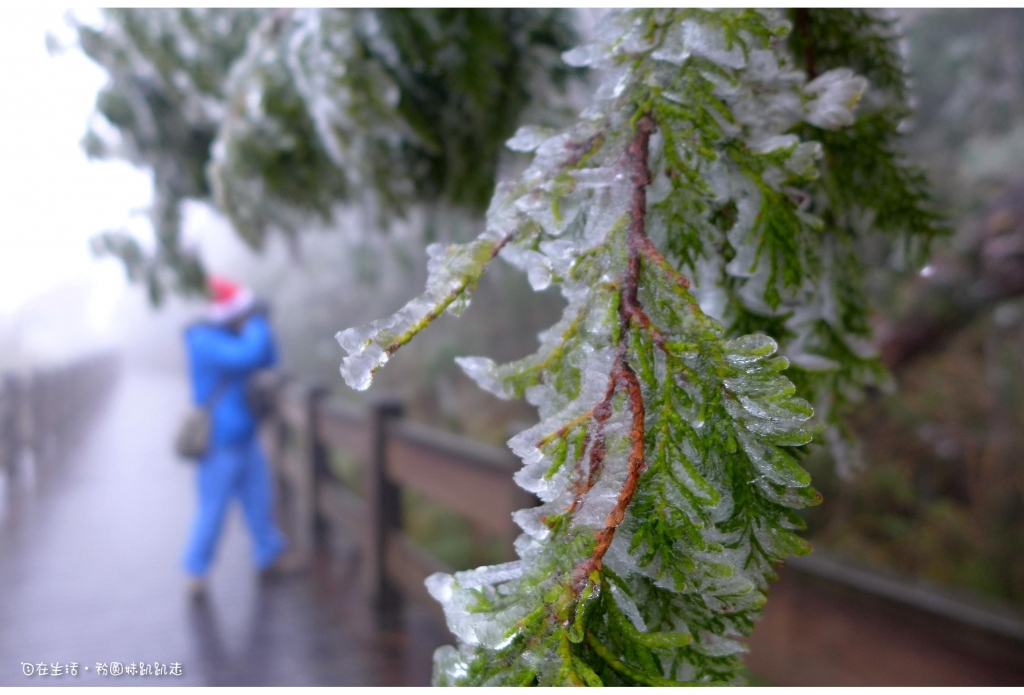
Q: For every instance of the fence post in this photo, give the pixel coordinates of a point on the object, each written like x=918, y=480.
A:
x=274, y=439
x=58, y=404
x=8, y=422
x=22, y=418
x=44, y=409
x=49, y=415
x=37, y=417
x=384, y=502
x=311, y=460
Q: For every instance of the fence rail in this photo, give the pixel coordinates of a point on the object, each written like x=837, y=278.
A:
x=917, y=637
x=467, y=477
x=40, y=408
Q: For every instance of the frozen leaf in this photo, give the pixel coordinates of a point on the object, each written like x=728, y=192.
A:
x=835, y=93
x=528, y=138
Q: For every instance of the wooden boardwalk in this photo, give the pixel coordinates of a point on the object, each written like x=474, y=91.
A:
x=89, y=573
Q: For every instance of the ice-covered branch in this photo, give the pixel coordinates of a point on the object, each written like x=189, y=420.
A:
x=663, y=455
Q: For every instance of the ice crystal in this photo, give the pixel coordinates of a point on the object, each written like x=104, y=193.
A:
x=452, y=271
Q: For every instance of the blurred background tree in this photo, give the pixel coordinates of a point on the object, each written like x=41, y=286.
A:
x=942, y=496
x=280, y=116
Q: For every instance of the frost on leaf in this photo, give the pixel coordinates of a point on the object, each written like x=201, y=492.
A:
x=376, y=109
x=667, y=453
x=453, y=273
x=835, y=94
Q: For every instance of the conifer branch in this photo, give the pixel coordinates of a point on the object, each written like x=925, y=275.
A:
x=465, y=285
x=662, y=458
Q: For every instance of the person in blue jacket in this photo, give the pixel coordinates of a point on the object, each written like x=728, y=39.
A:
x=223, y=352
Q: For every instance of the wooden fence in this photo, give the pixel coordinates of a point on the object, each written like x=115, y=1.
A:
x=472, y=479
x=42, y=408
x=827, y=624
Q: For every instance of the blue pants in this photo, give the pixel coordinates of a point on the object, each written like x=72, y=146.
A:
x=227, y=471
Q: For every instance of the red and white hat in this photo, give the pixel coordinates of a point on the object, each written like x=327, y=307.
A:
x=228, y=300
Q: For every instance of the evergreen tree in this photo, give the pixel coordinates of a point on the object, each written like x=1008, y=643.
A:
x=717, y=205
x=280, y=116
x=163, y=102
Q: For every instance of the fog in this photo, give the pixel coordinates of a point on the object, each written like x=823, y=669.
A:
x=940, y=499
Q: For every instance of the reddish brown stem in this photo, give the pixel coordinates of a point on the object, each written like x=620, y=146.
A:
x=652, y=252
x=636, y=467
x=564, y=429
x=622, y=374
x=602, y=411
x=641, y=317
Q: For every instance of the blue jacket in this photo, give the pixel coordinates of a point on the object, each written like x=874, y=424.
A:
x=215, y=353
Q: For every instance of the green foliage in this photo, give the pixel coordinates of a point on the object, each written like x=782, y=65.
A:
x=280, y=116
x=969, y=96
x=941, y=497
x=870, y=200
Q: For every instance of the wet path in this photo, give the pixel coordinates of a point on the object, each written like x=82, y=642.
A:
x=89, y=572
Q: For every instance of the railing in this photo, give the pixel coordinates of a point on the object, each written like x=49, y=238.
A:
x=40, y=409
x=917, y=636
x=829, y=623
x=472, y=479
